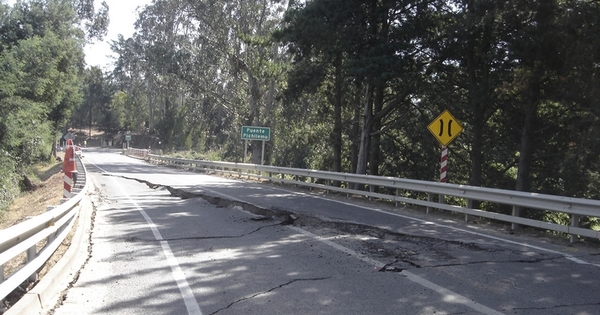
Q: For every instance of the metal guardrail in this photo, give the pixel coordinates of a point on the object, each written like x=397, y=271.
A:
x=140, y=153
x=575, y=207
x=50, y=227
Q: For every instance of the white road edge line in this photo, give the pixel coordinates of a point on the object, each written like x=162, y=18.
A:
x=186, y=292
x=448, y=295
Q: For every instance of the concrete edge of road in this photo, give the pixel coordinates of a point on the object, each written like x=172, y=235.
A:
x=45, y=295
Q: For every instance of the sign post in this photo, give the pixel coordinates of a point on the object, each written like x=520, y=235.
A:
x=444, y=165
x=128, y=138
x=255, y=133
x=445, y=129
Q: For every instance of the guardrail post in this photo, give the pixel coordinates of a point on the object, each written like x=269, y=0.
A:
x=516, y=212
x=31, y=253
x=1, y=280
x=50, y=237
x=429, y=199
x=470, y=204
x=574, y=223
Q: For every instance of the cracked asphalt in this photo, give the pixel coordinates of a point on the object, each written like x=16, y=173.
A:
x=172, y=242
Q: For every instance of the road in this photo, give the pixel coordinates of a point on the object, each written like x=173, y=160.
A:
x=173, y=242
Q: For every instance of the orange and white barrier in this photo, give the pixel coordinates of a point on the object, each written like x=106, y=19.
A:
x=69, y=169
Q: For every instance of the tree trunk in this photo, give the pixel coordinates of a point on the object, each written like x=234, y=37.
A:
x=526, y=156
x=476, y=153
x=527, y=147
x=270, y=105
x=91, y=117
x=355, y=133
x=365, y=135
x=337, y=119
x=151, y=100
x=255, y=115
x=476, y=98
x=375, y=154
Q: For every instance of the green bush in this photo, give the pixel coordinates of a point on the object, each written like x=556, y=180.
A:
x=9, y=185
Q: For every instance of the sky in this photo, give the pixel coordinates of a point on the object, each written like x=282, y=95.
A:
x=123, y=14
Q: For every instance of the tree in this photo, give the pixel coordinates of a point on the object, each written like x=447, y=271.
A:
x=211, y=58
x=316, y=38
x=374, y=44
x=95, y=108
x=546, y=36
x=41, y=58
x=358, y=82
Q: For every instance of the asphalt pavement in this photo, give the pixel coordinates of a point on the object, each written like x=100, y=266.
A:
x=167, y=241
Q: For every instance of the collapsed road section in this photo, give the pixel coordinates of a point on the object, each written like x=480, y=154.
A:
x=397, y=251
x=244, y=247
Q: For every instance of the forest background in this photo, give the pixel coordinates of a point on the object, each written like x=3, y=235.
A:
x=344, y=85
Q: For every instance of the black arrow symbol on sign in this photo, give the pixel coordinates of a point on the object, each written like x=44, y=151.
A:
x=449, y=128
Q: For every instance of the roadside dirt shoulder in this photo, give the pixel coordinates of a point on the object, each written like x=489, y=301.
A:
x=47, y=193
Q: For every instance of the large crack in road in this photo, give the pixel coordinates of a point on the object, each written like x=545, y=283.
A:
x=460, y=265
x=136, y=239
x=266, y=292
x=397, y=250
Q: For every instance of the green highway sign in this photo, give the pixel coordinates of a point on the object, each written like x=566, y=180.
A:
x=256, y=133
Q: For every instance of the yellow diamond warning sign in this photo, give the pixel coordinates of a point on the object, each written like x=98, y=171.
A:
x=445, y=128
